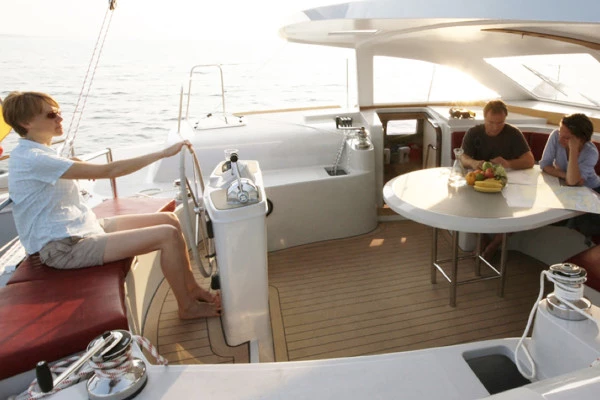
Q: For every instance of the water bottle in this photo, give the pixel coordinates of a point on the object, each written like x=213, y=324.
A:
x=457, y=174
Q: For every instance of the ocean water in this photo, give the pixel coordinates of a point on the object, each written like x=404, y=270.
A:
x=136, y=86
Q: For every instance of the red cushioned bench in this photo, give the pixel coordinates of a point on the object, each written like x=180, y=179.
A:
x=48, y=314
x=589, y=260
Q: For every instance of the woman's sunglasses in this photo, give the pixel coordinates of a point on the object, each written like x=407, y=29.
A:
x=53, y=114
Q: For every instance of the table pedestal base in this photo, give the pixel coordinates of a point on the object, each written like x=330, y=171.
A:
x=453, y=278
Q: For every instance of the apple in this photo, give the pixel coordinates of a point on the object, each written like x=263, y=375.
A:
x=489, y=173
x=486, y=165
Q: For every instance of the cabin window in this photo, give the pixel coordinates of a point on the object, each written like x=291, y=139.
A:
x=401, y=80
x=566, y=78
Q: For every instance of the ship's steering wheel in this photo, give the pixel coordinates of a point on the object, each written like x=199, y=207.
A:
x=194, y=219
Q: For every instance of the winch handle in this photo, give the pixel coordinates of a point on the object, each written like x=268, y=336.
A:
x=44, y=375
x=235, y=169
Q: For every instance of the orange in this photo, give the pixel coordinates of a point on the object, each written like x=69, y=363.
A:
x=470, y=177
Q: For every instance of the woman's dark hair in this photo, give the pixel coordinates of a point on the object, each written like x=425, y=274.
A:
x=579, y=125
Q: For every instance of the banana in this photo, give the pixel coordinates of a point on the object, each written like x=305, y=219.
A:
x=496, y=181
x=489, y=183
x=486, y=189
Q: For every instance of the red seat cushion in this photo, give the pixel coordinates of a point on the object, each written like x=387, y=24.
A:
x=456, y=141
x=48, y=314
x=589, y=260
x=32, y=269
x=133, y=205
x=537, y=142
x=41, y=321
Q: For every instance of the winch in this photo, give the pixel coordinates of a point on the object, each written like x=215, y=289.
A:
x=130, y=376
x=363, y=142
x=116, y=374
x=559, y=345
x=569, y=279
x=241, y=190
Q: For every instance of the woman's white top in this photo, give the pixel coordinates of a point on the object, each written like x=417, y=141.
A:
x=46, y=208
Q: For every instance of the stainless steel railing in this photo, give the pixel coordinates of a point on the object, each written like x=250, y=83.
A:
x=192, y=71
x=109, y=158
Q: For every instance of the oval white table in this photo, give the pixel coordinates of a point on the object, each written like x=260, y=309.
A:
x=424, y=196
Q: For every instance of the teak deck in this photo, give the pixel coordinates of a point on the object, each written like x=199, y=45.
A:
x=368, y=294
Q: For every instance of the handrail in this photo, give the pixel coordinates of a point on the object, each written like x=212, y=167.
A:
x=187, y=110
x=438, y=140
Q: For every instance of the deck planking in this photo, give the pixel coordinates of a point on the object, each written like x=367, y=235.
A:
x=368, y=294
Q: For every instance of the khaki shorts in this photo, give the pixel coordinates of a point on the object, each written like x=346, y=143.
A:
x=76, y=252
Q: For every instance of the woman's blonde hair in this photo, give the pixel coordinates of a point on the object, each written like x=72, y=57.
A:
x=18, y=108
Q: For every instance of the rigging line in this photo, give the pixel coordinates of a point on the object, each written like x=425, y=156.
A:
x=67, y=146
x=87, y=73
x=93, y=74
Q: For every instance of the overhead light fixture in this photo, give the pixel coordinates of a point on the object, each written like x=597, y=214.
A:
x=355, y=32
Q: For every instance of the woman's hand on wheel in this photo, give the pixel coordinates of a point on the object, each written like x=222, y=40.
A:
x=176, y=148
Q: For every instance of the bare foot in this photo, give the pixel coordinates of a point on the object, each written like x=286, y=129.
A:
x=492, y=248
x=205, y=296
x=199, y=309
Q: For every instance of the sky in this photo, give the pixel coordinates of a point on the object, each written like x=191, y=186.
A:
x=169, y=19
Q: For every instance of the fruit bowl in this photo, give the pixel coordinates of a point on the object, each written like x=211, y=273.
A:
x=491, y=178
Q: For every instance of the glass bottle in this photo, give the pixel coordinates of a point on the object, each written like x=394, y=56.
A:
x=457, y=173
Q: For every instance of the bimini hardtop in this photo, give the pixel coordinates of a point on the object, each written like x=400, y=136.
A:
x=457, y=34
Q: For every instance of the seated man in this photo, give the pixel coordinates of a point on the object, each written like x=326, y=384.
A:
x=53, y=220
x=497, y=142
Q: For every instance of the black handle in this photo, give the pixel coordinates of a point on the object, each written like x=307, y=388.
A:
x=44, y=377
x=215, y=282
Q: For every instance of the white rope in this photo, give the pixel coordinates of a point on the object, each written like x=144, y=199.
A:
x=66, y=150
x=110, y=369
x=566, y=294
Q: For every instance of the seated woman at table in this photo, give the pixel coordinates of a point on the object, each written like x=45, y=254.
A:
x=570, y=155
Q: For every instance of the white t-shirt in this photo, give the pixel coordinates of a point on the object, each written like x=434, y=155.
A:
x=46, y=208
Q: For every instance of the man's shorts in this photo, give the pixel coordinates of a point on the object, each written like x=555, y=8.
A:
x=77, y=252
